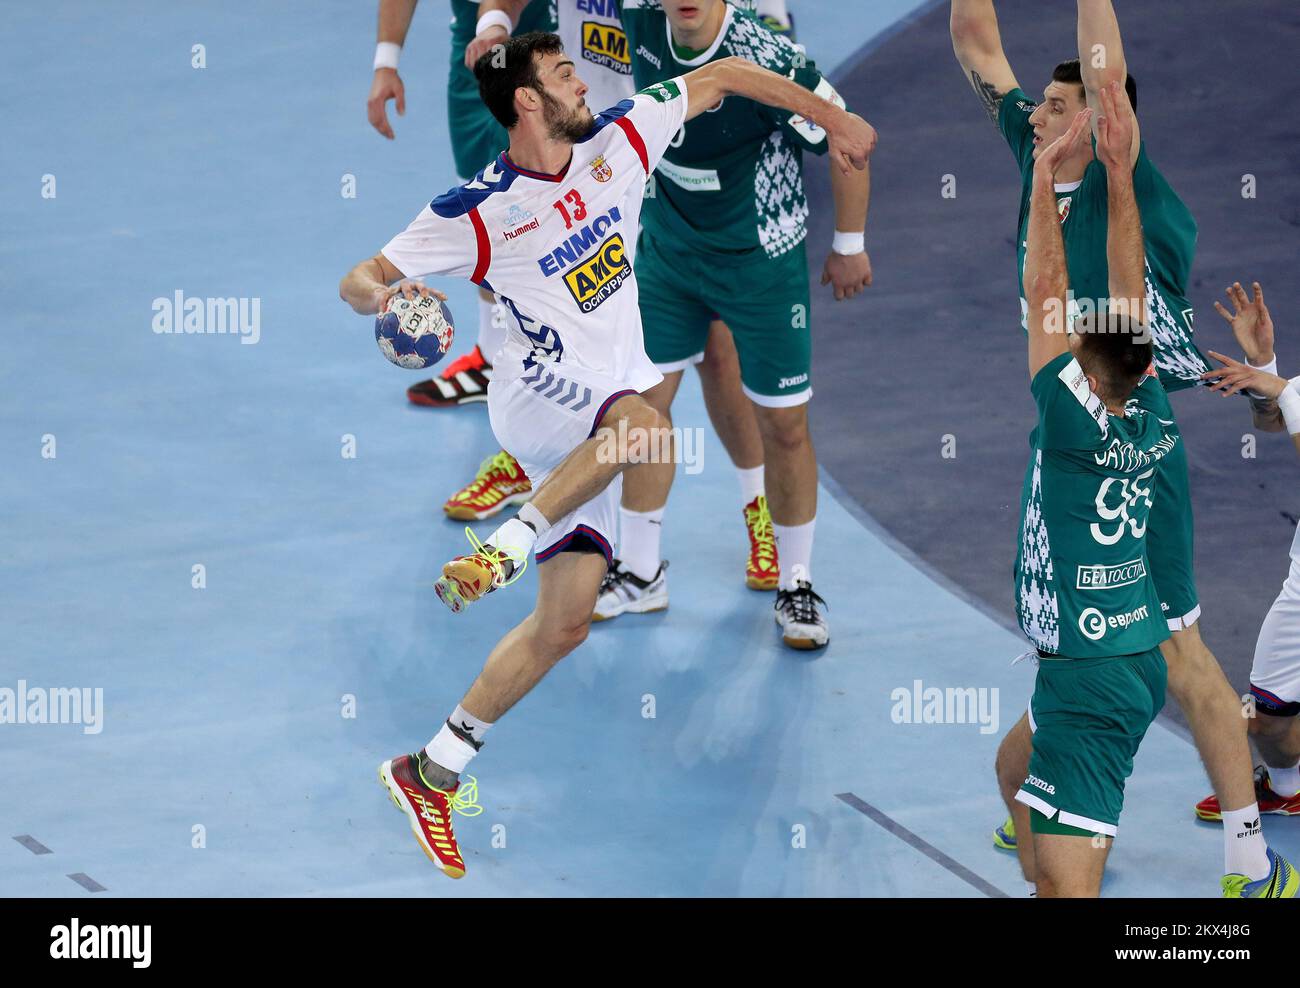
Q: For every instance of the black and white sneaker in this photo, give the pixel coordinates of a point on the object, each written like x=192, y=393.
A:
x=802, y=624
x=622, y=592
x=463, y=382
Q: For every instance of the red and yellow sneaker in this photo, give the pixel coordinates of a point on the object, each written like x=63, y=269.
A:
x=464, y=381
x=762, y=570
x=1269, y=801
x=429, y=810
x=500, y=483
x=468, y=578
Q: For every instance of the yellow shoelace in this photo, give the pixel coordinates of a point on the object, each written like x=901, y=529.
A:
x=759, y=520
x=496, y=557
x=465, y=799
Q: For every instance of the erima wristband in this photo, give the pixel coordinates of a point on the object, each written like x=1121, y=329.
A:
x=386, y=54
x=849, y=243
x=1289, y=402
x=491, y=18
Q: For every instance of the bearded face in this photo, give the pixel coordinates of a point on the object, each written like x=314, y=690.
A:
x=565, y=123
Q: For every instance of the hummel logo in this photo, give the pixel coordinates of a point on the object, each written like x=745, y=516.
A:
x=466, y=728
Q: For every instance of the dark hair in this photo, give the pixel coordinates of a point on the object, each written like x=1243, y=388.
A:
x=500, y=73
x=1069, y=71
x=1114, y=349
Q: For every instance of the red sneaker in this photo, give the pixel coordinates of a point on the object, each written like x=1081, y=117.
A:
x=499, y=484
x=464, y=381
x=1269, y=801
x=762, y=570
x=429, y=810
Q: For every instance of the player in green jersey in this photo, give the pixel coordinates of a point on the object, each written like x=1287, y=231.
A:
x=723, y=232
x=1084, y=596
x=1195, y=679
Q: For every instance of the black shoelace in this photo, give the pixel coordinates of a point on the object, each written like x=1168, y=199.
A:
x=801, y=603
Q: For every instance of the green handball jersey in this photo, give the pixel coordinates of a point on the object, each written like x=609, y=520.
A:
x=1168, y=228
x=732, y=179
x=1082, y=583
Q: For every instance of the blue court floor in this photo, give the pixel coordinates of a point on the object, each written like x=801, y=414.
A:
x=761, y=772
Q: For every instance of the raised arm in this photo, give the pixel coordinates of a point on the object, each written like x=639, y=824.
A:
x=977, y=43
x=1101, y=57
x=1125, y=253
x=495, y=31
x=1047, y=281
x=850, y=138
x=1252, y=327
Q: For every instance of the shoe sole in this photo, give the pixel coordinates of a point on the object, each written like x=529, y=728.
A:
x=630, y=609
x=463, y=512
x=426, y=402
x=390, y=785
x=802, y=644
x=762, y=582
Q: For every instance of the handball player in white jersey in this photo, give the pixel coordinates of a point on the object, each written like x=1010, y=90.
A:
x=550, y=227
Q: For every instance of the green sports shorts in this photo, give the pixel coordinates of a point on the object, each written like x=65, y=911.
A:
x=1169, y=525
x=1088, y=717
x=763, y=301
x=476, y=137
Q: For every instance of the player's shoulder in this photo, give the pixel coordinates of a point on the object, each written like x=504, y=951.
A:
x=459, y=200
x=750, y=38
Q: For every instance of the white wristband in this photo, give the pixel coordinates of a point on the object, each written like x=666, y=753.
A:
x=1289, y=402
x=1269, y=368
x=493, y=17
x=849, y=243
x=386, y=54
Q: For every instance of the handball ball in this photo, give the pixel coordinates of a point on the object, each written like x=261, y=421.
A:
x=414, y=332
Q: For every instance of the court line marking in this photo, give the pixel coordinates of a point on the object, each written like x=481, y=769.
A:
x=32, y=844
x=86, y=882
x=925, y=847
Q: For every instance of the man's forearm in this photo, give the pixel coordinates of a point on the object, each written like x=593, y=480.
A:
x=360, y=287
x=1125, y=255
x=511, y=8
x=1047, y=280
x=395, y=20
x=1101, y=52
x=852, y=195
x=741, y=77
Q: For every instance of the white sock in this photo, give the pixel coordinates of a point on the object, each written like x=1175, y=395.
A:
x=1284, y=781
x=751, y=483
x=468, y=723
x=1244, y=849
x=794, y=548
x=1031, y=889
x=514, y=538
x=449, y=751
x=638, y=539
x=491, y=328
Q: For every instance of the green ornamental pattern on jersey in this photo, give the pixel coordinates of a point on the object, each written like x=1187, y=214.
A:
x=732, y=180
x=1168, y=228
x=1083, y=584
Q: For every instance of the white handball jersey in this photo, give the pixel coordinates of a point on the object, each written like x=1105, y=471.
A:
x=593, y=37
x=557, y=249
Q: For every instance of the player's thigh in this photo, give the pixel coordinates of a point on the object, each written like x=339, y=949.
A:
x=674, y=321
x=1069, y=865
x=1013, y=755
x=1275, y=671
x=661, y=396
x=765, y=304
x=567, y=585
x=721, y=359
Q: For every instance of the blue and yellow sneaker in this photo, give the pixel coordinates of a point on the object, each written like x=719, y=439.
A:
x=1281, y=883
x=1005, y=836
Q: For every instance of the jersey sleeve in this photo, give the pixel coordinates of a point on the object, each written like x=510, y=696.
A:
x=1013, y=122
x=435, y=243
x=657, y=113
x=1070, y=415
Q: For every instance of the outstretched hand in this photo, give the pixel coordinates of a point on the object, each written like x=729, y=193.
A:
x=1235, y=376
x=1060, y=149
x=1250, y=321
x=1115, y=128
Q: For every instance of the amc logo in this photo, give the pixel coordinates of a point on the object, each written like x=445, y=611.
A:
x=599, y=276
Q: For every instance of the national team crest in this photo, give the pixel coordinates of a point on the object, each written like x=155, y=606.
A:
x=1063, y=207
x=600, y=169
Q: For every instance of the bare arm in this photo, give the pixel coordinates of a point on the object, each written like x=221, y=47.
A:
x=1046, y=278
x=849, y=273
x=394, y=21
x=1235, y=376
x=1252, y=327
x=496, y=33
x=1101, y=57
x=1125, y=252
x=851, y=139
x=366, y=287
x=977, y=43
